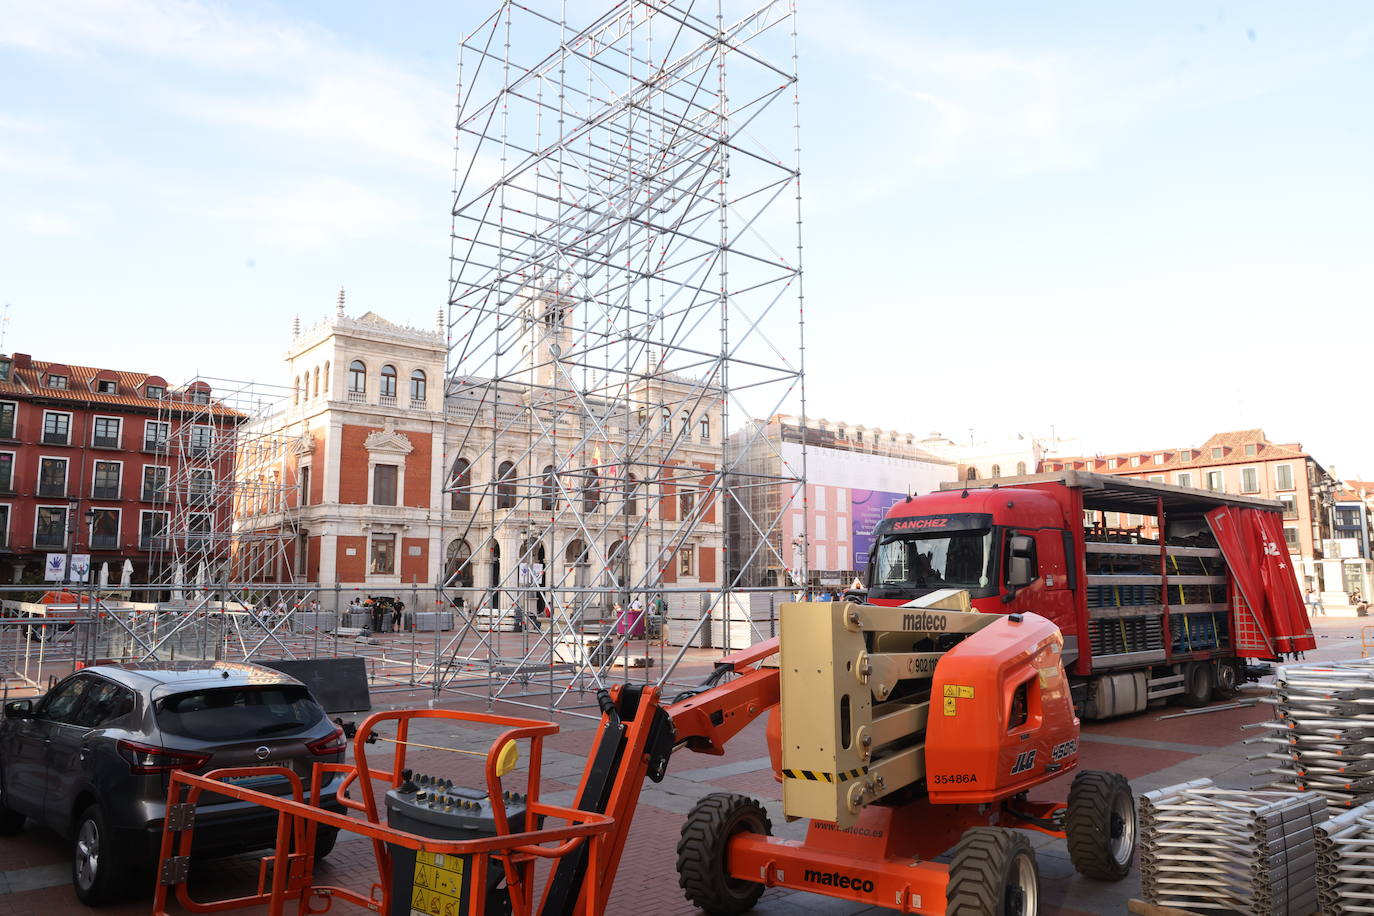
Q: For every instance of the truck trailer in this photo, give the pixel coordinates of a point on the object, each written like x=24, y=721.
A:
x=1172, y=607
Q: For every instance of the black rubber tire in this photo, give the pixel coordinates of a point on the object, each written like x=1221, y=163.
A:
x=1226, y=679
x=1101, y=835
x=11, y=822
x=701, y=870
x=985, y=873
x=107, y=878
x=1198, y=678
x=325, y=838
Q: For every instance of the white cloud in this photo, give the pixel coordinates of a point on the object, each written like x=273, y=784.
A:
x=955, y=102
x=40, y=223
x=317, y=90
x=320, y=213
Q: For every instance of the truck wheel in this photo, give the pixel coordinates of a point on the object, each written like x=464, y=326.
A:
x=701, y=866
x=1197, y=684
x=1226, y=680
x=1100, y=824
x=993, y=873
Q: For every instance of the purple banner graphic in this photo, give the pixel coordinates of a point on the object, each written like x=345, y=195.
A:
x=866, y=510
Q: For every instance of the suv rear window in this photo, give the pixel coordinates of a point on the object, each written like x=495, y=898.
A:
x=238, y=712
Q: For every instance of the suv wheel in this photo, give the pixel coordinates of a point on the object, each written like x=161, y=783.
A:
x=98, y=870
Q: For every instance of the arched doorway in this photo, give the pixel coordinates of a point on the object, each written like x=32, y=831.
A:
x=494, y=558
x=458, y=564
x=576, y=559
x=618, y=565
x=534, y=572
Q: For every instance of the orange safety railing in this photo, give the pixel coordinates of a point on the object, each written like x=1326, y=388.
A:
x=1366, y=641
x=291, y=865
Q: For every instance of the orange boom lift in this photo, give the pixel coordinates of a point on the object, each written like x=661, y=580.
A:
x=899, y=733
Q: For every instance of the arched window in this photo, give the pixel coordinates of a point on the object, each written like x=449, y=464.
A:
x=996, y=470
x=317, y=382
x=667, y=420
x=686, y=424
x=505, y=485
x=388, y=381
x=458, y=567
x=1020, y=469
x=326, y=376
x=972, y=474
x=704, y=429
x=296, y=391
x=357, y=377
x=591, y=490
x=632, y=496
x=548, y=497
x=686, y=500
x=576, y=554
x=461, y=498
x=417, y=385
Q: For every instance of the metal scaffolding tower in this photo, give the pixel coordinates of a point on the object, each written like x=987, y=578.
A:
x=625, y=291
x=221, y=464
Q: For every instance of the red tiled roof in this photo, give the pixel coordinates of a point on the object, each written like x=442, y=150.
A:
x=1233, y=442
x=28, y=377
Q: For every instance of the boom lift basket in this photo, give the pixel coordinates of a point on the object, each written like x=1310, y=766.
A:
x=551, y=832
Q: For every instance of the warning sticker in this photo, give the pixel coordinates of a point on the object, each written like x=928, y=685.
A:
x=952, y=694
x=437, y=886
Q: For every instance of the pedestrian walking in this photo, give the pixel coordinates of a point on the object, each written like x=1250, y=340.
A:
x=1314, y=603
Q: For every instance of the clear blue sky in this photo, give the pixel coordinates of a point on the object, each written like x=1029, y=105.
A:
x=1141, y=225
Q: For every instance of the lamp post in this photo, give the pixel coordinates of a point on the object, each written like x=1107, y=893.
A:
x=73, y=505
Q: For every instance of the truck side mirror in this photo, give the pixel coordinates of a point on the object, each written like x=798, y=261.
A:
x=19, y=709
x=1021, y=552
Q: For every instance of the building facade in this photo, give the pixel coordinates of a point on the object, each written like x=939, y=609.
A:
x=1244, y=462
x=396, y=484
x=1349, y=561
x=87, y=465
x=853, y=473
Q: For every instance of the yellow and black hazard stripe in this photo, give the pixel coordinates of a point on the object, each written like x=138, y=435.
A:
x=817, y=776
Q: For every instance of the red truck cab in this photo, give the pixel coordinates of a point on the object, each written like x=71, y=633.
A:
x=1170, y=606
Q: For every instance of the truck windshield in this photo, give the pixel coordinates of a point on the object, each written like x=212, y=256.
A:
x=959, y=559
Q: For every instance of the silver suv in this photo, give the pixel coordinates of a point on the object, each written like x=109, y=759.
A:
x=91, y=759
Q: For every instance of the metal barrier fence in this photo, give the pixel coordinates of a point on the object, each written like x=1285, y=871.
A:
x=548, y=662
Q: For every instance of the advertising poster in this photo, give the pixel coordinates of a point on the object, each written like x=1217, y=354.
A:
x=81, y=567
x=867, y=508
x=55, y=569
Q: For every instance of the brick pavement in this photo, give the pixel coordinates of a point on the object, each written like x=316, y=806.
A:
x=1152, y=752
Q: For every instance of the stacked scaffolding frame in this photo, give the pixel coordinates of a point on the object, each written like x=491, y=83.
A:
x=625, y=290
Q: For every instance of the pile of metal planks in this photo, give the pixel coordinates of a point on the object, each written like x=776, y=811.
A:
x=1322, y=739
x=1345, y=862
x=1252, y=852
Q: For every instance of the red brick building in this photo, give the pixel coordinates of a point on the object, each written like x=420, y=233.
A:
x=87, y=464
x=1242, y=461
